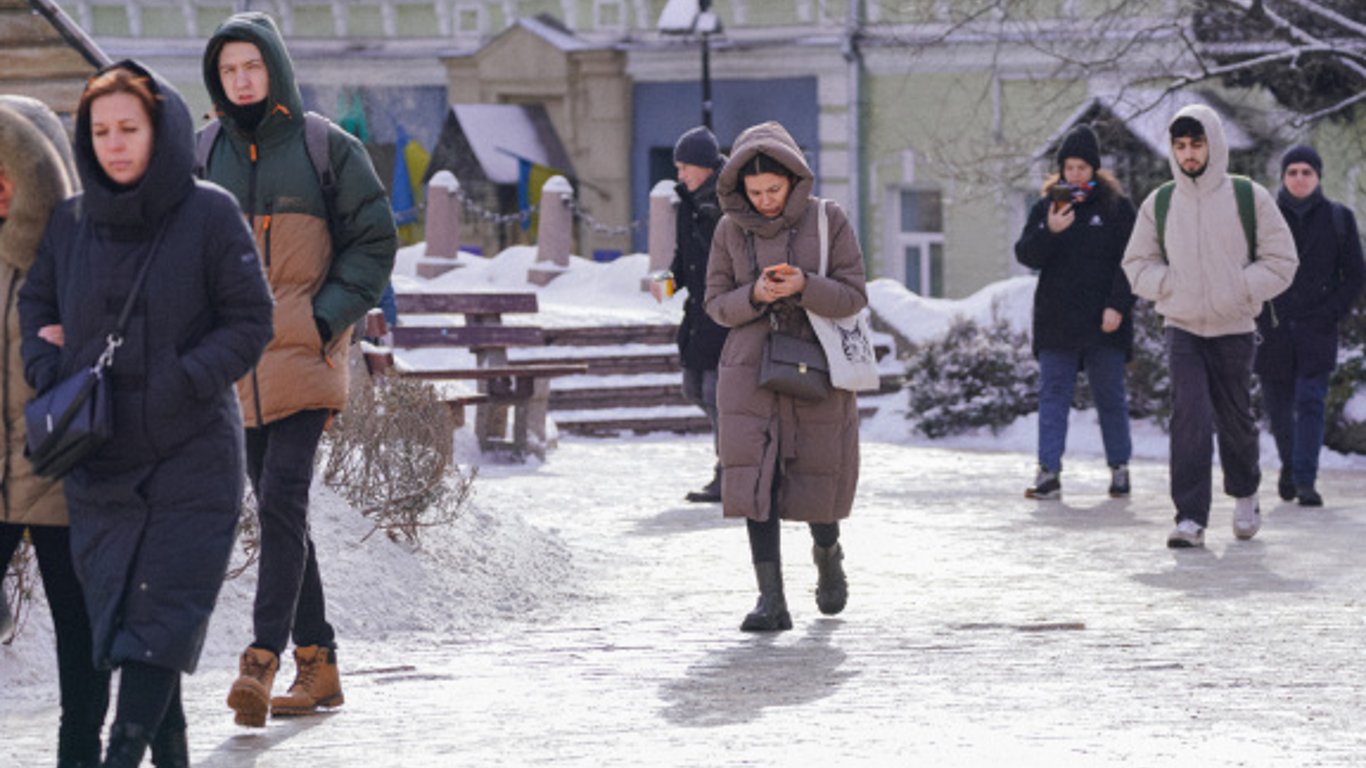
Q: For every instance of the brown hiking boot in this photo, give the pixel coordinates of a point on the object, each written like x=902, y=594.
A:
x=250, y=693
x=317, y=683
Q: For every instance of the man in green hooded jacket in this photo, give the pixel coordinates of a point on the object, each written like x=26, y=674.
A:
x=328, y=254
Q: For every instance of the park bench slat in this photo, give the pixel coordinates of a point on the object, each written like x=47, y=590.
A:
x=465, y=303
x=472, y=336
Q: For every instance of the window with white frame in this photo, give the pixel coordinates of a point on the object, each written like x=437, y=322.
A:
x=917, y=244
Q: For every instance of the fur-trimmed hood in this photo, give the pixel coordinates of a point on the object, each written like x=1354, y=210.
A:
x=36, y=154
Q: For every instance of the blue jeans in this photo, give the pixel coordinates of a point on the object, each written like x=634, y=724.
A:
x=1295, y=408
x=1104, y=367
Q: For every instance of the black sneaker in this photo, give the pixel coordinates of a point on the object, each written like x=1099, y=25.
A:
x=1309, y=497
x=1119, y=481
x=1047, y=485
x=1285, y=485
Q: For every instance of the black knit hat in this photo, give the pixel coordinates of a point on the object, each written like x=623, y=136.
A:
x=1081, y=142
x=698, y=147
x=1302, y=154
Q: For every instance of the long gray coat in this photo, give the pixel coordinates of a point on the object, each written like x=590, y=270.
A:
x=811, y=448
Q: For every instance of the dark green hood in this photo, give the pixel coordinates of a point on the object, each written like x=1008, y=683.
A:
x=284, y=107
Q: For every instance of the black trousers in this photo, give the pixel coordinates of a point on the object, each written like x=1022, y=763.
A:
x=289, y=589
x=84, y=689
x=1211, y=380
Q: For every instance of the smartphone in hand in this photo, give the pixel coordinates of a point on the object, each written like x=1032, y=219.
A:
x=778, y=272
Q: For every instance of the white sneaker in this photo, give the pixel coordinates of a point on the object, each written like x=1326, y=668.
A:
x=1185, y=535
x=1247, y=518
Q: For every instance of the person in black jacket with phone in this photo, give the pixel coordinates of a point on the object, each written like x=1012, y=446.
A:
x=1075, y=237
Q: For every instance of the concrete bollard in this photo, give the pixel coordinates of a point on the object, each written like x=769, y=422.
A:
x=443, y=225
x=554, y=231
x=663, y=228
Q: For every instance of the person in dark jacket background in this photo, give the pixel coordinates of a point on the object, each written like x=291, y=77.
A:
x=1299, y=346
x=328, y=259
x=37, y=173
x=154, y=511
x=697, y=158
x=1082, y=306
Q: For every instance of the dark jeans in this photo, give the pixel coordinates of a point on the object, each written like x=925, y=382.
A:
x=289, y=590
x=699, y=388
x=1211, y=381
x=1296, y=411
x=84, y=689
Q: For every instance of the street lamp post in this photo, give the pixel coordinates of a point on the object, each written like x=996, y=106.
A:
x=704, y=9
x=694, y=17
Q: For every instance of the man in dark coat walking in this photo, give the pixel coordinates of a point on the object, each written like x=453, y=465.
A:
x=697, y=158
x=1299, y=331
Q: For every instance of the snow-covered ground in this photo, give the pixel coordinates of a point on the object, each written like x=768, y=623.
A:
x=492, y=563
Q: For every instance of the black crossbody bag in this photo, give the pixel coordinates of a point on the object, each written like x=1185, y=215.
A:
x=75, y=418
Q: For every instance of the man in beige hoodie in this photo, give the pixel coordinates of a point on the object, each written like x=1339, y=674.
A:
x=1209, y=284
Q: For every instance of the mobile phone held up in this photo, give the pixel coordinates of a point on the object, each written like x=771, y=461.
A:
x=778, y=272
x=1061, y=195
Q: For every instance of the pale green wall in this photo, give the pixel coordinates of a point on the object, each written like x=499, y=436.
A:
x=946, y=120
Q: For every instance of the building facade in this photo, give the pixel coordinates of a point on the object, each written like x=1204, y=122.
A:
x=931, y=121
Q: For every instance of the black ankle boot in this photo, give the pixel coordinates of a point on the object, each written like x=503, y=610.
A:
x=170, y=748
x=127, y=744
x=832, y=589
x=770, y=613
x=78, y=745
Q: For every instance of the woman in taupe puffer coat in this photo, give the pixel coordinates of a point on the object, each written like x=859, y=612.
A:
x=782, y=458
x=36, y=173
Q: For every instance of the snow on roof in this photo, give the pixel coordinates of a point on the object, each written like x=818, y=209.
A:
x=557, y=36
x=1146, y=113
x=501, y=133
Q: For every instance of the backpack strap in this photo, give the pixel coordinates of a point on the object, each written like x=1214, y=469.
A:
x=1161, y=205
x=316, y=130
x=203, y=147
x=1247, y=212
x=823, y=228
x=1340, y=225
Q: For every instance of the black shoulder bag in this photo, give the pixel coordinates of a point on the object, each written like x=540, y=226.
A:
x=73, y=419
x=790, y=365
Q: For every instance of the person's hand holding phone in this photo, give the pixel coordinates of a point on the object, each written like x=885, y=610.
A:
x=783, y=280
x=1060, y=213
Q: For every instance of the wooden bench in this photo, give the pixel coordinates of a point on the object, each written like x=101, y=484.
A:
x=503, y=389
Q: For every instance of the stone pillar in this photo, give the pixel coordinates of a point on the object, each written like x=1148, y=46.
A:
x=443, y=225
x=663, y=228
x=554, y=231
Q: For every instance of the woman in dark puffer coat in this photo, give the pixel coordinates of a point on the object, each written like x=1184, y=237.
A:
x=154, y=512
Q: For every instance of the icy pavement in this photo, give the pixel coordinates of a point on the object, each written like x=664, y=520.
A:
x=982, y=629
